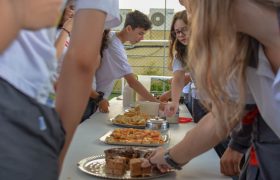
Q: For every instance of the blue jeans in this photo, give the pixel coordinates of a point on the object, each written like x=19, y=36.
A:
x=91, y=108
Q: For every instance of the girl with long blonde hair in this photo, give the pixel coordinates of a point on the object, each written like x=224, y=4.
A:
x=234, y=55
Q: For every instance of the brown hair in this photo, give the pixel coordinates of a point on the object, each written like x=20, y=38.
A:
x=105, y=40
x=137, y=19
x=70, y=4
x=174, y=44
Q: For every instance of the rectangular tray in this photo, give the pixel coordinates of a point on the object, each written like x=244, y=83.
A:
x=126, y=125
x=165, y=137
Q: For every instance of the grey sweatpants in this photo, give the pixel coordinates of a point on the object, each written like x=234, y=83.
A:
x=31, y=137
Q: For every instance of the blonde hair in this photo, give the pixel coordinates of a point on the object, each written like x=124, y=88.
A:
x=218, y=57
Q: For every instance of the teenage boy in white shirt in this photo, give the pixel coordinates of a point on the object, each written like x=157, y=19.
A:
x=114, y=64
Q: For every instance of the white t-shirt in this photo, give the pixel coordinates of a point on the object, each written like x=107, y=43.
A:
x=113, y=65
x=29, y=63
x=111, y=7
x=264, y=86
x=177, y=66
x=107, y=90
x=187, y=88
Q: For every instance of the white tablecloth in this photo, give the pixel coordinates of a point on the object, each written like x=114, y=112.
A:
x=86, y=143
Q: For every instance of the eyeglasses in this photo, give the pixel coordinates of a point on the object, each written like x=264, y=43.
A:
x=183, y=31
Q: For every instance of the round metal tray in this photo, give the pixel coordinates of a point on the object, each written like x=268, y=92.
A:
x=95, y=165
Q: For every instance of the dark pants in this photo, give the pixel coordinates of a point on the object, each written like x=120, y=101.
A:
x=198, y=111
x=188, y=102
x=267, y=147
x=31, y=137
x=91, y=108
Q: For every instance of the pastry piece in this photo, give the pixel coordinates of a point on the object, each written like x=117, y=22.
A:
x=136, y=170
x=127, y=152
x=116, y=166
x=119, y=160
x=147, y=171
x=135, y=167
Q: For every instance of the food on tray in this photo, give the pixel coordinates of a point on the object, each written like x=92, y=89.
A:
x=135, y=136
x=133, y=116
x=116, y=166
x=127, y=152
x=136, y=170
x=119, y=160
x=121, y=163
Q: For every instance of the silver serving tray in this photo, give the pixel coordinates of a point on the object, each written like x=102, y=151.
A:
x=165, y=138
x=95, y=165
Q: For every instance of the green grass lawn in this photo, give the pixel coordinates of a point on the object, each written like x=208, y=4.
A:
x=114, y=95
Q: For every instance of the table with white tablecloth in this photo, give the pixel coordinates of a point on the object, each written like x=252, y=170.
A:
x=86, y=143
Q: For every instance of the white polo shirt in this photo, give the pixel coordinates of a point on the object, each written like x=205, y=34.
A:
x=30, y=62
x=264, y=86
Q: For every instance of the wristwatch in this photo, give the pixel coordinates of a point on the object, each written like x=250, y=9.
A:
x=100, y=96
x=171, y=162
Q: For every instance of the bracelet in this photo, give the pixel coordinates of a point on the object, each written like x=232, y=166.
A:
x=100, y=96
x=66, y=31
x=171, y=162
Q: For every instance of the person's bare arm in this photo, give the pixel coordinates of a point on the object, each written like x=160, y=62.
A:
x=26, y=14
x=139, y=88
x=165, y=96
x=63, y=35
x=78, y=68
x=197, y=141
x=260, y=22
x=178, y=82
x=9, y=25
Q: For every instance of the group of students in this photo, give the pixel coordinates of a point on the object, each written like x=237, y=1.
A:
x=232, y=54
